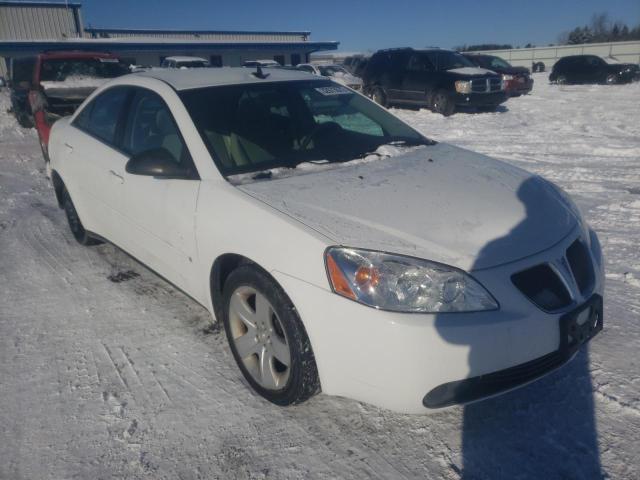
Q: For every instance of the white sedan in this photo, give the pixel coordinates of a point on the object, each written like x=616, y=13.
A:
x=341, y=249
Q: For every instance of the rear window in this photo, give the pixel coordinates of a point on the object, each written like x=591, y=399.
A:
x=60, y=70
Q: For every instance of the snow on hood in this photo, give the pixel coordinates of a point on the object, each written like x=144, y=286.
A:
x=74, y=82
x=439, y=202
x=471, y=71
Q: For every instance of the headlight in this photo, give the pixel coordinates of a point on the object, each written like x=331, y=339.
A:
x=403, y=284
x=463, y=86
x=506, y=77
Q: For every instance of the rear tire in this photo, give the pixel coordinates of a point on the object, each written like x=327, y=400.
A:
x=75, y=225
x=265, y=334
x=561, y=80
x=442, y=103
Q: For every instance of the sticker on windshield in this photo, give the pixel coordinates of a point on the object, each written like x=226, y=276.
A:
x=333, y=90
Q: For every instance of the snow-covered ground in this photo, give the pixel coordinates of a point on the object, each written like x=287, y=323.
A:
x=108, y=372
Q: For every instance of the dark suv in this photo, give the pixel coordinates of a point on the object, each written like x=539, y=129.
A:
x=592, y=69
x=441, y=80
x=517, y=80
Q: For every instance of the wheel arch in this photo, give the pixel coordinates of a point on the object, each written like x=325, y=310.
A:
x=58, y=186
x=221, y=268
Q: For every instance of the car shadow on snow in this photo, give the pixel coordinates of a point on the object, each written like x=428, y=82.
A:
x=546, y=429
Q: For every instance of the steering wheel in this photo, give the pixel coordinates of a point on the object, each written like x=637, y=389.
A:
x=325, y=127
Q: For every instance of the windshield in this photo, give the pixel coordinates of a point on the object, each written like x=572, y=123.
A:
x=250, y=128
x=191, y=64
x=451, y=60
x=58, y=70
x=331, y=70
x=491, y=62
x=612, y=60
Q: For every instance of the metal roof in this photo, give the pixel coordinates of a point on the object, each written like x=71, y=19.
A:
x=147, y=31
x=211, y=77
x=26, y=47
x=4, y=3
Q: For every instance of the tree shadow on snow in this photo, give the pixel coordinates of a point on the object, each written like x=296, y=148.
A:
x=545, y=430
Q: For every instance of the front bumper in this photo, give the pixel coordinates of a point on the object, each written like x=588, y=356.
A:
x=516, y=87
x=393, y=360
x=480, y=99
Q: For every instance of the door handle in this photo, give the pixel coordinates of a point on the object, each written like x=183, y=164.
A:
x=69, y=147
x=116, y=175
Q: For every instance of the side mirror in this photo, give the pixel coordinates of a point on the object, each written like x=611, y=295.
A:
x=157, y=163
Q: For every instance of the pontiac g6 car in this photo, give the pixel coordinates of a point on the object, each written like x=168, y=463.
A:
x=342, y=250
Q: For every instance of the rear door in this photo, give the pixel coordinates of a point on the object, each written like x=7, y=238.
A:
x=160, y=213
x=419, y=77
x=94, y=166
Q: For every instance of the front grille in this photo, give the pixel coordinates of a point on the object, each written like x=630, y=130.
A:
x=581, y=266
x=543, y=287
x=486, y=85
x=495, y=84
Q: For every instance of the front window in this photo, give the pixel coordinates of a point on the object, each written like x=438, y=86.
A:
x=451, y=60
x=250, y=128
x=60, y=70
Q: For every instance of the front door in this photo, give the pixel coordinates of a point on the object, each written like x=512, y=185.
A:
x=160, y=212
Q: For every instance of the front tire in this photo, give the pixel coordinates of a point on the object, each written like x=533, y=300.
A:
x=561, y=80
x=267, y=338
x=75, y=225
x=442, y=103
x=611, y=79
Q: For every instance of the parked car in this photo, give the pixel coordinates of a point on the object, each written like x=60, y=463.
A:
x=592, y=69
x=340, y=248
x=184, y=62
x=517, y=80
x=60, y=83
x=260, y=63
x=356, y=64
x=442, y=80
x=337, y=73
x=20, y=77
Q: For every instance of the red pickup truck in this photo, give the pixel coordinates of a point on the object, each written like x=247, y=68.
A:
x=60, y=83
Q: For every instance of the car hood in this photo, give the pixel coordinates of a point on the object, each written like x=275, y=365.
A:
x=513, y=70
x=439, y=202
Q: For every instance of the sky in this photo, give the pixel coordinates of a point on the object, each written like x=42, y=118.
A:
x=361, y=25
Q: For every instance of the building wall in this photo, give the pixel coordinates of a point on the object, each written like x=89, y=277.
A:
x=27, y=22
x=628, y=52
x=38, y=22
x=230, y=58
x=201, y=36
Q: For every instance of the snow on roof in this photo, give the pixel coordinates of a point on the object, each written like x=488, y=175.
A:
x=210, y=77
x=185, y=58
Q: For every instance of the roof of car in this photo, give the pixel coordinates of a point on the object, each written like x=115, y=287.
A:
x=185, y=58
x=211, y=77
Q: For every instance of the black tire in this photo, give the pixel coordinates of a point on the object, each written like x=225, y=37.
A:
x=379, y=96
x=75, y=225
x=561, y=80
x=303, y=381
x=442, y=103
x=611, y=79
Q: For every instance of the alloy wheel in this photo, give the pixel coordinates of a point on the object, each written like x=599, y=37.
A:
x=259, y=338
